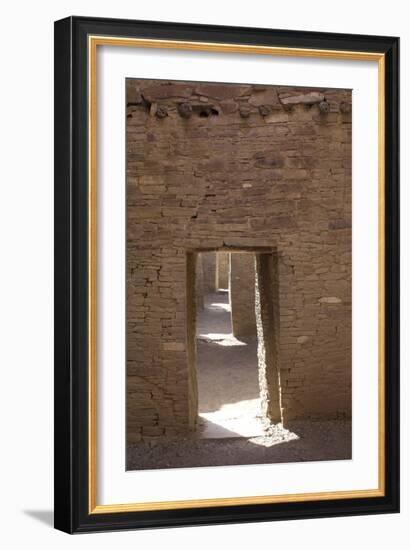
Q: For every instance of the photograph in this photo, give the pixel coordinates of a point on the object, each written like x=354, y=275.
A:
x=238, y=274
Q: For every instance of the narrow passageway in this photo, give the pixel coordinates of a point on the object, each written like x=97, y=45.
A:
x=229, y=402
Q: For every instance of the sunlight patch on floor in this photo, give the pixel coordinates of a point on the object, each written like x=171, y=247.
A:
x=241, y=419
x=220, y=305
x=220, y=339
x=274, y=435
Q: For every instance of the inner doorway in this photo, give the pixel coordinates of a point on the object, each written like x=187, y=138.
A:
x=229, y=402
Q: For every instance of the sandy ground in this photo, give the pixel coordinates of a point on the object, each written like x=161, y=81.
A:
x=231, y=430
x=315, y=441
x=229, y=403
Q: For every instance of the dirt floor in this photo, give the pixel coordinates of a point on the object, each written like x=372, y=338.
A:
x=231, y=430
x=228, y=387
x=314, y=441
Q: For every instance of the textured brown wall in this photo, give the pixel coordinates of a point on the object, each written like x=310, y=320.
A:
x=242, y=293
x=209, y=271
x=222, y=270
x=267, y=303
x=212, y=166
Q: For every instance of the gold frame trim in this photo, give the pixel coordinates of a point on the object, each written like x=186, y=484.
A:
x=93, y=42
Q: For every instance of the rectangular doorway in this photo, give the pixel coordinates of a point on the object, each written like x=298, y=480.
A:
x=229, y=403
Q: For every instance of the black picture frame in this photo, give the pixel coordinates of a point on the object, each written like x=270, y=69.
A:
x=71, y=491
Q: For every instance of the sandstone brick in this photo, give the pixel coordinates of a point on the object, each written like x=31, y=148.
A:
x=308, y=99
x=173, y=346
x=330, y=300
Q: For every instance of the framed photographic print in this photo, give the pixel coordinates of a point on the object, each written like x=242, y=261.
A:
x=226, y=274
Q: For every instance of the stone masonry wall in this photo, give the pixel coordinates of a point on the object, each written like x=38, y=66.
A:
x=268, y=329
x=242, y=293
x=214, y=166
x=209, y=271
x=222, y=270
